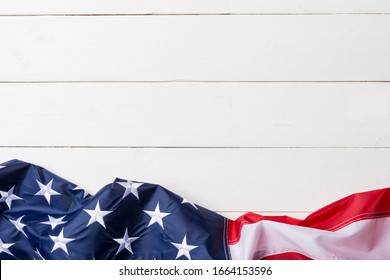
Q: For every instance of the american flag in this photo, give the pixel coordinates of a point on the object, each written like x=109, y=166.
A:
x=44, y=216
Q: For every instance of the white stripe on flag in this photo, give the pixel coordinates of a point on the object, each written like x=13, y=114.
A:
x=365, y=239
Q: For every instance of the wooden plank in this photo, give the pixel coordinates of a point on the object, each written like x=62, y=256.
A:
x=201, y=48
x=229, y=180
x=196, y=114
x=191, y=6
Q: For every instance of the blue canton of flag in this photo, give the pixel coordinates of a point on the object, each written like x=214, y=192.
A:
x=46, y=217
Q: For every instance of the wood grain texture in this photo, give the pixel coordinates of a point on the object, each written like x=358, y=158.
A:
x=196, y=114
x=91, y=7
x=229, y=180
x=201, y=48
x=91, y=133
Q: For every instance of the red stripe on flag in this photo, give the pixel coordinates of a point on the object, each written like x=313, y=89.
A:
x=353, y=208
x=287, y=256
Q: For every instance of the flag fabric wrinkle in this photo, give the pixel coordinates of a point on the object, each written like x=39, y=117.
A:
x=44, y=216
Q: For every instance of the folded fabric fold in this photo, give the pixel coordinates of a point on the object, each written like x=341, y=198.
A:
x=43, y=216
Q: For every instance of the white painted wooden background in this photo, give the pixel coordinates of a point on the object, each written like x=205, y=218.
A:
x=278, y=107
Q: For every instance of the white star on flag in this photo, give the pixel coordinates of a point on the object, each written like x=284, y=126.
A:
x=130, y=187
x=46, y=190
x=53, y=222
x=189, y=202
x=125, y=242
x=5, y=246
x=19, y=225
x=78, y=188
x=2, y=166
x=8, y=197
x=183, y=248
x=156, y=216
x=97, y=215
x=60, y=242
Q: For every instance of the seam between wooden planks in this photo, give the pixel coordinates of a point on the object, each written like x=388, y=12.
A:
x=189, y=81
x=183, y=147
x=187, y=14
